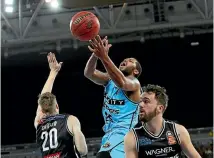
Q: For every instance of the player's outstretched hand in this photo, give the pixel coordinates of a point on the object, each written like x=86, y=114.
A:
x=53, y=63
x=99, y=47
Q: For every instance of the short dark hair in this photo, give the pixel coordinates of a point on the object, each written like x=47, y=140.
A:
x=160, y=93
x=47, y=101
x=139, y=68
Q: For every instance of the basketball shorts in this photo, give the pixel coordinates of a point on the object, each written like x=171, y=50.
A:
x=116, y=152
x=113, y=142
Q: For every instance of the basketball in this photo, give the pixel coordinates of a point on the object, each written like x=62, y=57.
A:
x=84, y=26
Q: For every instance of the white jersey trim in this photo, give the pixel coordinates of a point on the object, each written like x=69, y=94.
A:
x=68, y=128
x=136, y=139
x=176, y=133
x=151, y=134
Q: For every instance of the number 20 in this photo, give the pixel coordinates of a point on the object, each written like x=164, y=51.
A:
x=52, y=135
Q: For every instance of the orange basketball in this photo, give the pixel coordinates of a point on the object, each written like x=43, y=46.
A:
x=84, y=26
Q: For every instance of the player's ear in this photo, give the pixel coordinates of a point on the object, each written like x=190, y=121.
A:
x=160, y=108
x=57, y=106
x=136, y=72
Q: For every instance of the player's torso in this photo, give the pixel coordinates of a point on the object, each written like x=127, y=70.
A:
x=165, y=145
x=54, y=138
x=118, y=109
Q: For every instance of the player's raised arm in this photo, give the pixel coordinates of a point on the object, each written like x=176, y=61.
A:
x=54, y=69
x=130, y=145
x=186, y=144
x=79, y=139
x=101, y=50
x=92, y=73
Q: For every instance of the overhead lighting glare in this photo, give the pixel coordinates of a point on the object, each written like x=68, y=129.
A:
x=54, y=3
x=194, y=43
x=9, y=9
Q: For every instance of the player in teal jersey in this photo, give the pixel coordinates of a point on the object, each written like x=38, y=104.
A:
x=121, y=96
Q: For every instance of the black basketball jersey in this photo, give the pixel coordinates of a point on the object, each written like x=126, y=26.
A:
x=54, y=138
x=166, y=144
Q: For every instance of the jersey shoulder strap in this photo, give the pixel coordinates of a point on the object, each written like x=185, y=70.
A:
x=171, y=126
x=135, y=132
x=66, y=124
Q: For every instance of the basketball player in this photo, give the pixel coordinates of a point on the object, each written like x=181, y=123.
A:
x=58, y=135
x=121, y=96
x=157, y=137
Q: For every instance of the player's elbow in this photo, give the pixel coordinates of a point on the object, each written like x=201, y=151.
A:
x=80, y=141
x=88, y=74
x=83, y=151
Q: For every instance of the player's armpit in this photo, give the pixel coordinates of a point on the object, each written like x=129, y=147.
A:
x=98, y=77
x=186, y=144
x=130, y=146
x=79, y=139
x=131, y=84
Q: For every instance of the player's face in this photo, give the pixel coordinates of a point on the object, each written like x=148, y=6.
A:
x=127, y=66
x=149, y=107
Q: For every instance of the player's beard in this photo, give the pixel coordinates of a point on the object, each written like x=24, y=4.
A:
x=148, y=117
x=127, y=71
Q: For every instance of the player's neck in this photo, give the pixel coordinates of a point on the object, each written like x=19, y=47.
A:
x=51, y=114
x=130, y=76
x=155, y=125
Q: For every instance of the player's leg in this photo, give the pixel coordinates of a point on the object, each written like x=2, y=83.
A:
x=103, y=154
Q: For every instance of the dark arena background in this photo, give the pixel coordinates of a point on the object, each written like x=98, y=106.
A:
x=172, y=39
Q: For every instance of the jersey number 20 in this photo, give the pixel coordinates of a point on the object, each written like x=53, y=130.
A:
x=52, y=137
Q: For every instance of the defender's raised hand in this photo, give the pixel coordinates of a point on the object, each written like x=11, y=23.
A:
x=53, y=63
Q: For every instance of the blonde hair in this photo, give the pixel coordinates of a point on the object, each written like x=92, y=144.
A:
x=47, y=101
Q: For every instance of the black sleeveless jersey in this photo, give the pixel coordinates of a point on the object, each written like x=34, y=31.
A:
x=166, y=144
x=54, y=138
